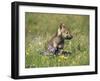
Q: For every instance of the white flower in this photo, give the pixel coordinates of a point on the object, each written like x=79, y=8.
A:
x=40, y=43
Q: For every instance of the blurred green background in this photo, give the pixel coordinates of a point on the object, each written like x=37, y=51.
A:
x=39, y=28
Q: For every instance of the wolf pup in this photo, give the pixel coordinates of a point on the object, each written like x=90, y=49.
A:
x=56, y=43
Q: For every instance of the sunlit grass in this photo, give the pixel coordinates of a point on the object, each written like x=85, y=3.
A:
x=39, y=28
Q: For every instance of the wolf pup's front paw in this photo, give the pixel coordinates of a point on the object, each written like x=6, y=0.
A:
x=66, y=53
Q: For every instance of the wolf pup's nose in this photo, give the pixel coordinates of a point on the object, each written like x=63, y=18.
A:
x=71, y=36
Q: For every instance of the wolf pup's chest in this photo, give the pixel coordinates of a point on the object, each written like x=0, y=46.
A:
x=58, y=40
x=59, y=44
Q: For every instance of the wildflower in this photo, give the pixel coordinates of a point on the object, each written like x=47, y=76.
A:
x=62, y=57
x=59, y=60
x=27, y=53
x=40, y=43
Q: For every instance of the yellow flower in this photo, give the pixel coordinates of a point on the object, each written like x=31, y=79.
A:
x=59, y=60
x=28, y=50
x=27, y=53
x=62, y=57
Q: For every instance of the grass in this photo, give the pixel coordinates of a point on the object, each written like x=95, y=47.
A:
x=39, y=28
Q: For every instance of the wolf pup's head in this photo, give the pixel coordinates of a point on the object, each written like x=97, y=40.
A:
x=64, y=32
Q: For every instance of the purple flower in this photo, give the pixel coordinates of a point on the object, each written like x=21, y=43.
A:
x=52, y=49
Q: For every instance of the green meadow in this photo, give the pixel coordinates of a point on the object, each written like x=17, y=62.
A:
x=39, y=28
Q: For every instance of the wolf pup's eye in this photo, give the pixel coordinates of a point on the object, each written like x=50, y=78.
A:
x=66, y=32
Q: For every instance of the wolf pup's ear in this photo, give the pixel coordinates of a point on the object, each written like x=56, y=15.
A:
x=59, y=31
x=62, y=25
x=61, y=28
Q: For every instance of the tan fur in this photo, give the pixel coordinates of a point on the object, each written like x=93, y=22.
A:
x=57, y=40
